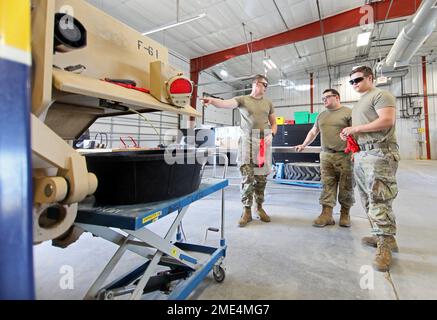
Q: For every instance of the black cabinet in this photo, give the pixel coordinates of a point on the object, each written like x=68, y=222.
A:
x=292, y=135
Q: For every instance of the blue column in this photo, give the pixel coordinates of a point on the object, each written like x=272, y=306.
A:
x=16, y=261
x=16, y=243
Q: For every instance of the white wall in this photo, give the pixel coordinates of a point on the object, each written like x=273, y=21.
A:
x=213, y=116
x=289, y=101
x=136, y=127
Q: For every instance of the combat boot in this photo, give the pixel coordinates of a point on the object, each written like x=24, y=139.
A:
x=372, y=241
x=345, y=219
x=325, y=218
x=246, y=217
x=382, y=259
x=264, y=217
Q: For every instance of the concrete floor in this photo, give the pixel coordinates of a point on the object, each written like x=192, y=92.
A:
x=287, y=258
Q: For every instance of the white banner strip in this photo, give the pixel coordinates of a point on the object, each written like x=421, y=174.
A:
x=14, y=54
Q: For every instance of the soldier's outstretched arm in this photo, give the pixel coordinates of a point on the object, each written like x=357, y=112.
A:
x=219, y=103
x=311, y=136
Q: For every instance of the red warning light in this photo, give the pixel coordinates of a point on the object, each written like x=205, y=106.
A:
x=181, y=86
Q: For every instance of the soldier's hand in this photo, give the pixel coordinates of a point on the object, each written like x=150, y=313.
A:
x=348, y=132
x=343, y=137
x=344, y=133
x=206, y=101
x=300, y=148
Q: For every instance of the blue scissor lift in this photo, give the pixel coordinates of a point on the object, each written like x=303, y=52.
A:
x=126, y=226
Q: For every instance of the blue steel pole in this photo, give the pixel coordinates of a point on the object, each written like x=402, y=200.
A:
x=16, y=262
x=16, y=243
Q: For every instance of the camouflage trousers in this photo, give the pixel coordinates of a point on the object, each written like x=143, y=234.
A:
x=337, y=178
x=375, y=174
x=252, y=185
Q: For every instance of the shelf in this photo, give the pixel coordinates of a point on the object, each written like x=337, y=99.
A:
x=68, y=82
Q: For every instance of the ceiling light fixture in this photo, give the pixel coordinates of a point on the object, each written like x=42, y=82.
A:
x=224, y=73
x=287, y=84
x=169, y=26
x=363, y=39
x=267, y=64
x=273, y=64
x=303, y=87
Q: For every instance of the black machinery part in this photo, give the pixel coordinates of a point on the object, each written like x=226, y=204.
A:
x=133, y=177
x=69, y=33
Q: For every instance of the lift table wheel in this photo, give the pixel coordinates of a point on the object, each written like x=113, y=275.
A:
x=219, y=273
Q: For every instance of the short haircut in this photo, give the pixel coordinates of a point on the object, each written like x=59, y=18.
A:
x=332, y=91
x=366, y=71
x=260, y=77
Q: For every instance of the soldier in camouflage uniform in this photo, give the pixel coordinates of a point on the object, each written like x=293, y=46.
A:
x=335, y=165
x=258, y=125
x=373, y=125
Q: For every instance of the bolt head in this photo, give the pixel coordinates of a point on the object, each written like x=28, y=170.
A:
x=48, y=190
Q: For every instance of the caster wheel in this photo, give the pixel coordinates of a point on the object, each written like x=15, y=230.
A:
x=219, y=273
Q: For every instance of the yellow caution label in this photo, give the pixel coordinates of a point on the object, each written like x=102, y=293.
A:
x=174, y=252
x=421, y=130
x=153, y=217
x=15, y=24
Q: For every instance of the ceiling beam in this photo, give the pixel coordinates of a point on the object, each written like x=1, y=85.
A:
x=342, y=21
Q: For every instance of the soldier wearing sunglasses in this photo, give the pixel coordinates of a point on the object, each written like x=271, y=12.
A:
x=373, y=125
x=336, y=166
x=258, y=124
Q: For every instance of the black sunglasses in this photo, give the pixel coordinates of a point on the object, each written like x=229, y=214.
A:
x=356, y=80
x=265, y=84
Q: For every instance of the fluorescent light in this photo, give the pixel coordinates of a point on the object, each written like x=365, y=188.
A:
x=272, y=64
x=303, y=87
x=287, y=84
x=382, y=79
x=363, y=39
x=267, y=64
x=202, y=15
x=224, y=73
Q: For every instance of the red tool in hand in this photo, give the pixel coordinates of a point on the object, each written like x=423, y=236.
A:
x=261, y=153
x=352, y=145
